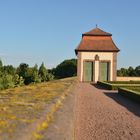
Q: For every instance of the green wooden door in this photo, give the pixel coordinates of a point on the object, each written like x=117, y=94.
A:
x=104, y=71
x=88, y=71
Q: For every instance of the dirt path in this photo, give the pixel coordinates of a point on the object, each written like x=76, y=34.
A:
x=105, y=115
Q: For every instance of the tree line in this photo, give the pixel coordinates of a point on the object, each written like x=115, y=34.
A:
x=24, y=74
x=129, y=71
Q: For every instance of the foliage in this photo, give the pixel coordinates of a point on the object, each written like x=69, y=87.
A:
x=18, y=80
x=32, y=75
x=137, y=89
x=7, y=74
x=137, y=70
x=123, y=82
x=129, y=72
x=22, y=70
x=6, y=81
x=23, y=74
x=9, y=69
x=43, y=73
x=116, y=85
x=67, y=68
x=1, y=63
x=49, y=77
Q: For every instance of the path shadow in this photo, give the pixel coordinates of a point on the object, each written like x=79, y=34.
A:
x=131, y=105
x=97, y=86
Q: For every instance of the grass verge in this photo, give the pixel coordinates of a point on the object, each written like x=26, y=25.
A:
x=43, y=125
x=22, y=106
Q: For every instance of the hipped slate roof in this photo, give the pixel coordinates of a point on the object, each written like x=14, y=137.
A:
x=97, y=40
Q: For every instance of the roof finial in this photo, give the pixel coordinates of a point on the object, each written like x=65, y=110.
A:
x=96, y=25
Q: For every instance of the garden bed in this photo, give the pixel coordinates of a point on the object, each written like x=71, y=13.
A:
x=123, y=82
x=130, y=92
x=114, y=85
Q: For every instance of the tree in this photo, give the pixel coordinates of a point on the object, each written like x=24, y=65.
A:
x=131, y=71
x=49, y=77
x=1, y=63
x=122, y=72
x=32, y=75
x=67, y=68
x=9, y=69
x=137, y=70
x=23, y=74
x=35, y=74
x=1, y=67
x=18, y=80
x=22, y=70
x=43, y=72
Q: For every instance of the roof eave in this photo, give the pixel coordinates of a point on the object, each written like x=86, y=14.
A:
x=76, y=51
x=95, y=35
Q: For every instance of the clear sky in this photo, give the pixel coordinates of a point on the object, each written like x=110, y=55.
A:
x=33, y=31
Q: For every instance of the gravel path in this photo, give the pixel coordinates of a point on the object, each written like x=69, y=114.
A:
x=105, y=115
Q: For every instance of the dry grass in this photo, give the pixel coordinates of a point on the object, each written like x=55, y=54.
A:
x=21, y=106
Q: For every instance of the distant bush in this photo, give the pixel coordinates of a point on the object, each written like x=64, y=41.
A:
x=23, y=74
x=129, y=71
x=6, y=81
x=67, y=68
x=49, y=77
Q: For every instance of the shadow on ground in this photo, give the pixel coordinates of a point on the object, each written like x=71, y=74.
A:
x=97, y=86
x=132, y=106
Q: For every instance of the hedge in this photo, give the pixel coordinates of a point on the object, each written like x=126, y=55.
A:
x=105, y=85
x=110, y=86
x=123, y=82
x=134, y=95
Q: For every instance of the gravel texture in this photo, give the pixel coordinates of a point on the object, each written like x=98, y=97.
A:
x=105, y=115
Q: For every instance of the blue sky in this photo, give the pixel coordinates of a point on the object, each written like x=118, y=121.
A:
x=33, y=31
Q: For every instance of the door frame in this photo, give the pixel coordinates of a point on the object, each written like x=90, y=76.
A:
x=109, y=71
x=93, y=68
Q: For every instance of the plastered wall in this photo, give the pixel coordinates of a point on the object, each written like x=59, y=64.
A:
x=90, y=56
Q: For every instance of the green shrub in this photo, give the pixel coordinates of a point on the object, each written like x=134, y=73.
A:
x=6, y=81
x=134, y=88
x=67, y=68
x=123, y=82
x=105, y=85
x=49, y=77
x=134, y=95
x=112, y=86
